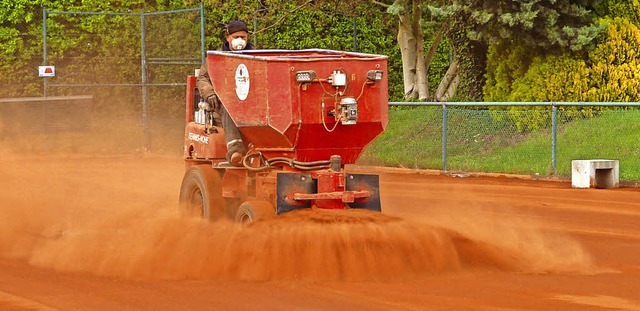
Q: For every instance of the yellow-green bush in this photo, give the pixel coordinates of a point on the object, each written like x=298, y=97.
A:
x=613, y=72
x=504, y=65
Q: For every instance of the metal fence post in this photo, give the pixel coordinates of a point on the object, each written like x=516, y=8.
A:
x=554, y=136
x=44, y=48
x=202, y=48
x=444, y=137
x=355, y=34
x=145, y=99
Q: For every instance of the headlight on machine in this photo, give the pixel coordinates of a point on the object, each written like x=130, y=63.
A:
x=374, y=75
x=305, y=76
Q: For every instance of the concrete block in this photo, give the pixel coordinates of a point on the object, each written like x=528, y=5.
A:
x=595, y=173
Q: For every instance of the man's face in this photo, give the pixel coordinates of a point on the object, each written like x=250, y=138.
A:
x=237, y=36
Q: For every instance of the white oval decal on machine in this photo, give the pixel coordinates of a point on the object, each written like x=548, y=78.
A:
x=242, y=82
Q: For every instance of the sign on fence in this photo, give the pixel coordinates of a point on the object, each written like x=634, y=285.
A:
x=47, y=71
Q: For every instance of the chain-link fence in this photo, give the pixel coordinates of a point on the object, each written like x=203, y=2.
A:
x=518, y=139
x=134, y=65
x=477, y=137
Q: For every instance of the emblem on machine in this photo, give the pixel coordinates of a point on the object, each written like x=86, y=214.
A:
x=242, y=81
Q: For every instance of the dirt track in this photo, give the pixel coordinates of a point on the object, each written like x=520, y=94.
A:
x=104, y=233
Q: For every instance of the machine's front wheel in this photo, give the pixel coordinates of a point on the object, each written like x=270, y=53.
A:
x=201, y=192
x=253, y=210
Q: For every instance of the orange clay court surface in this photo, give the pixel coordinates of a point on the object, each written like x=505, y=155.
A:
x=85, y=232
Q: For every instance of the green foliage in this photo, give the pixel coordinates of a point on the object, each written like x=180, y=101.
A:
x=89, y=49
x=628, y=9
x=330, y=25
x=17, y=36
x=11, y=43
x=442, y=58
x=551, y=78
x=310, y=29
x=541, y=23
x=608, y=73
x=472, y=59
x=505, y=64
x=534, y=26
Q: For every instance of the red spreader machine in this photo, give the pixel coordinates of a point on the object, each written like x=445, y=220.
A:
x=303, y=115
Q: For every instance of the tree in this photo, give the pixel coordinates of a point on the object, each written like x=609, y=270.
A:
x=410, y=40
x=608, y=73
x=413, y=20
x=538, y=26
x=628, y=9
x=533, y=23
x=471, y=26
x=330, y=24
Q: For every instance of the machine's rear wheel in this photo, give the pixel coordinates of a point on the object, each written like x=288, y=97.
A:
x=253, y=210
x=201, y=192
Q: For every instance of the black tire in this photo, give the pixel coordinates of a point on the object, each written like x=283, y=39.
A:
x=201, y=192
x=251, y=211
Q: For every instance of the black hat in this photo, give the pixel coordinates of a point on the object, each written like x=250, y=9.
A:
x=235, y=26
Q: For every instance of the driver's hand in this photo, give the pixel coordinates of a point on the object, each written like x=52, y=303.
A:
x=213, y=102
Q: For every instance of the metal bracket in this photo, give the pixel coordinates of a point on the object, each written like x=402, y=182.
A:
x=289, y=184
x=368, y=183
